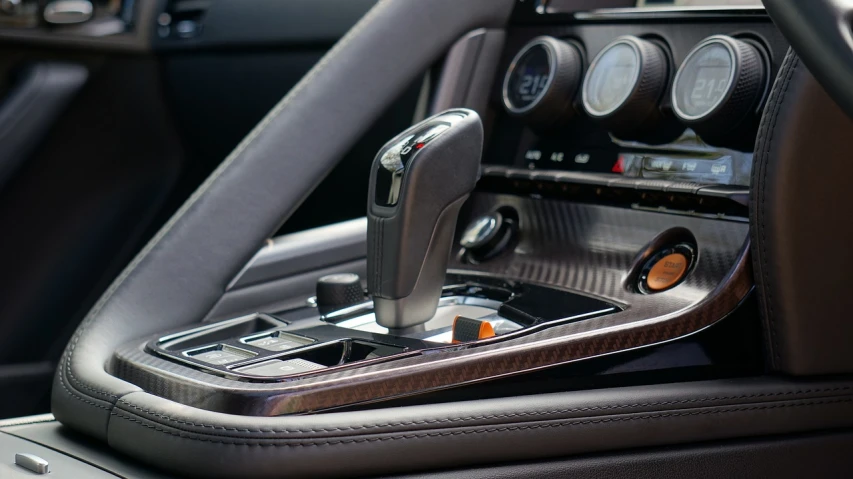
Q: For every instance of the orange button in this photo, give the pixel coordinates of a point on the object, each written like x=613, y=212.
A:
x=468, y=329
x=668, y=271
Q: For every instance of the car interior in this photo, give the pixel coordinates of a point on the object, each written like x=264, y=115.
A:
x=432, y=238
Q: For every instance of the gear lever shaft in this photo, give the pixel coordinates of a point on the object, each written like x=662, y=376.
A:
x=418, y=183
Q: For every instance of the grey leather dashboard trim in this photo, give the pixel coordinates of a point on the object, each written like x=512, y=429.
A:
x=179, y=276
x=467, y=433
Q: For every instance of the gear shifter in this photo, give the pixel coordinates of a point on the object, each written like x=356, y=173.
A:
x=418, y=183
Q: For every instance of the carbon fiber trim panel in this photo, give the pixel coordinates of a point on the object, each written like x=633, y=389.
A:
x=585, y=248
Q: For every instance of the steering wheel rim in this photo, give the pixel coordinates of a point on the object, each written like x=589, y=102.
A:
x=821, y=33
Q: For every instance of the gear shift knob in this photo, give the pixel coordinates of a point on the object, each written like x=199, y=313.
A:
x=418, y=183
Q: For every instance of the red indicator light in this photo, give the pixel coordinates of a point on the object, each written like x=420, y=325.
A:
x=419, y=146
x=619, y=167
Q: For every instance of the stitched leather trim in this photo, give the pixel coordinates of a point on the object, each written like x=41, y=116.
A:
x=456, y=420
x=758, y=227
x=481, y=430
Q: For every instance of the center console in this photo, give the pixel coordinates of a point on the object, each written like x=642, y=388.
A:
x=595, y=204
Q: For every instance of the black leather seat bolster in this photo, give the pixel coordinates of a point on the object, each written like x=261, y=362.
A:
x=800, y=226
x=203, y=443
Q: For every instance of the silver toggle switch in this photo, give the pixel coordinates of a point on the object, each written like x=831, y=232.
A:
x=32, y=463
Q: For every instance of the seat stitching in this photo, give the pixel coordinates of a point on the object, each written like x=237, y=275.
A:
x=475, y=418
x=74, y=395
x=569, y=423
x=767, y=146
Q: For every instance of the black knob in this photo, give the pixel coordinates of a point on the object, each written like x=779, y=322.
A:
x=719, y=90
x=542, y=82
x=624, y=88
x=337, y=291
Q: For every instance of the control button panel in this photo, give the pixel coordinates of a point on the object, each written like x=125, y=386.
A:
x=236, y=347
x=220, y=354
x=276, y=341
x=690, y=161
x=277, y=367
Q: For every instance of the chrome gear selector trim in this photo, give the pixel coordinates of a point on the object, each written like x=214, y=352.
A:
x=418, y=183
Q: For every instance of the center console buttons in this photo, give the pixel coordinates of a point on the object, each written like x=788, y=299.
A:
x=276, y=341
x=542, y=82
x=220, y=354
x=277, y=367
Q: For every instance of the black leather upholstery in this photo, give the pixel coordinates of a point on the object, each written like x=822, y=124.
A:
x=356, y=444
x=800, y=226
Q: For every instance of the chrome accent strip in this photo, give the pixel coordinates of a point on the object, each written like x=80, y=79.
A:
x=667, y=12
x=444, y=301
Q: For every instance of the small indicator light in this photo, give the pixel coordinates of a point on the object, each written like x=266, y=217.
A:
x=419, y=146
x=619, y=167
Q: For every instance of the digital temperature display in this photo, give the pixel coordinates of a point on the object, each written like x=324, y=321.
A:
x=704, y=81
x=529, y=78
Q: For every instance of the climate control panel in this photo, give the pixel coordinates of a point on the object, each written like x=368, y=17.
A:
x=677, y=101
